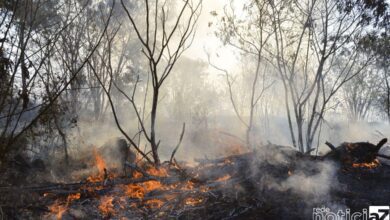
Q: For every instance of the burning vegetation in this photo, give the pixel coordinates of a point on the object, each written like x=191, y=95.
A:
x=74, y=73
x=249, y=185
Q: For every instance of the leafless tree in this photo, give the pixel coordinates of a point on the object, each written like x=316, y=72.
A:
x=165, y=38
x=360, y=94
x=29, y=57
x=309, y=37
x=251, y=36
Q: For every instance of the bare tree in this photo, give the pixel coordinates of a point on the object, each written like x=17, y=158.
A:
x=309, y=37
x=249, y=34
x=163, y=41
x=29, y=56
x=360, y=94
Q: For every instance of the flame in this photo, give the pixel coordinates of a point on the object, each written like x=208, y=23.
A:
x=154, y=203
x=375, y=163
x=137, y=174
x=193, y=201
x=152, y=185
x=189, y=185
x=139, y=190
x=223, y=178
x=58, y=209
x=160, y=172
x=106, y=207
x=101, y=165
x=72, y=197
x=134, y=191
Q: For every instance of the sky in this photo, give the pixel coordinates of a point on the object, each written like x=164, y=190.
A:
x=206, y=42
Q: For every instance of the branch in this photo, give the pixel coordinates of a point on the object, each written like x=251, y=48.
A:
x=330, y=146
x=178, y=144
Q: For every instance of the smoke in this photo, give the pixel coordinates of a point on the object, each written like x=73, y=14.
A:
x=315, y=186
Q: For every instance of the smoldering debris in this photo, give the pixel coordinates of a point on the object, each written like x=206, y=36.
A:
x=287, y=183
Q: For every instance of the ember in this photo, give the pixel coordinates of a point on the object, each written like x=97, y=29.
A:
x=58, y=209
x=106, y=207
x=224, y=178
x=222, y=186
x=100, y=163
x=193, y=201
x=154, y=203
x=375, y=163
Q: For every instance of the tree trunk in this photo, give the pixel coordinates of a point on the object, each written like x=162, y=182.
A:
x=153, y=126
x=25, y=74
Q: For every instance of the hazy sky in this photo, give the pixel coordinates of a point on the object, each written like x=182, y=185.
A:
x=205, y=38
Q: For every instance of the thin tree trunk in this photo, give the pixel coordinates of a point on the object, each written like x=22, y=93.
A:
x=24, y=92
x=153, y=125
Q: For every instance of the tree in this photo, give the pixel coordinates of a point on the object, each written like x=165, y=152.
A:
x=250, y=35
x=378, y=43
x=163, y=41
x=29, y=56
x=309, y=38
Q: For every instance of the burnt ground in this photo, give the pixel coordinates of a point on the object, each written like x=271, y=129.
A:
x=272, y=183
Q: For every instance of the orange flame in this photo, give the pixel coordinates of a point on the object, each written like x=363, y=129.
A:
x=193, y=201
x=139, y=190
x=58, y=209
x=375, y=163
x=101, y=165
x=154, y=203
x=161, y=172
x=106, y=207
x=72, y=197
x=223, y=178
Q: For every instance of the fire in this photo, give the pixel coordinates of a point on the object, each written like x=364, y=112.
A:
x=154, y=203
x=189, y=185
x=106, y=206
x=193, y=201
x=152, y=185
x=223, y=178
x=139, y=190
x=375, y=163
x=161, y=172
x=58, y=209
x=71, y=198
x=134, y=191
x=101, y=165
x=137, y=174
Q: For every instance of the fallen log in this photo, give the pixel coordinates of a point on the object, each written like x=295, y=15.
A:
x=82, y=186
x=359, y=152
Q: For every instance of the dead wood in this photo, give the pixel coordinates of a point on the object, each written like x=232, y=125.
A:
x=82, y=186
x=383, y=156
x=380, y=144
x=333, y=148
x=178, y=144
x=358, y=152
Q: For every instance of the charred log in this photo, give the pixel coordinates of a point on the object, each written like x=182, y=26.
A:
x=359, y=152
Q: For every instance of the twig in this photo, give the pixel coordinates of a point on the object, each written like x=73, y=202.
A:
x=381, y=143
x=178, y=144
x=330, y=146
x=383, y=156
x=82, y=185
